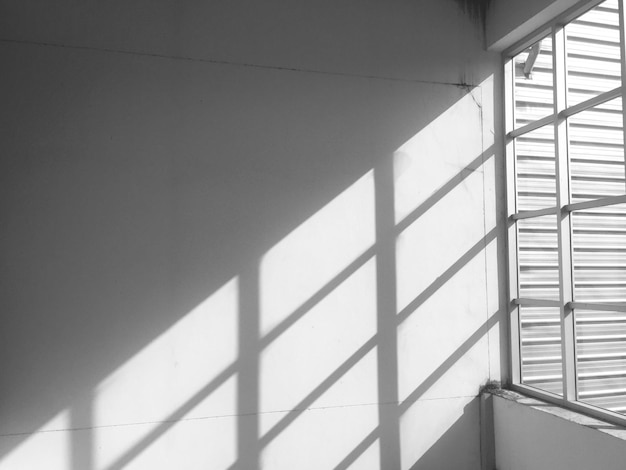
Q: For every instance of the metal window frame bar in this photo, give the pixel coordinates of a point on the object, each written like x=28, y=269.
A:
x=526, y=302
x=573, y=305
x=531, y=126
x=571, y=111
x=512, y=242
x=564, y=235
x=535, y=213
x=601, y=307
x=592, y=102
x=622, y=47
x=581, y=407
x=602, y=202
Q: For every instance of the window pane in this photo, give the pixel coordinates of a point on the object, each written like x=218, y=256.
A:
x=593, y=53
x=599, y=247
x=597, y=152
x=536, y=182
x=593, y=156
x=601, y=358
x=538, y=258
x=540, y=329
x=533, y=83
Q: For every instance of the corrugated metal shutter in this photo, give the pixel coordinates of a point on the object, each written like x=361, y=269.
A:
x=534, y=90
x=593, y=53
x=596, y=152
x=599, y=255
x=541, y=348
x=536, y=182
x=597, y=169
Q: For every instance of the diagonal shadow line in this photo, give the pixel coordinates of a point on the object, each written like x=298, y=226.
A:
x=418, y=212
x=317, y=297
x=448, y=363
x=318, y=391
x=447, y=275
x=304, y=308
x=363, y=258
x=350, y=269
x=358, y=450
x=174, y=417
x=445, y=189
x=281, y=328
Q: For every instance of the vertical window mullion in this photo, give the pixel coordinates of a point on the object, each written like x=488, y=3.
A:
x=513, y=265
x=622, y=46
x=563, y=218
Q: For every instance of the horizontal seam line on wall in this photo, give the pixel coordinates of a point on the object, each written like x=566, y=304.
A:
x=199, y=418
x=465, y=86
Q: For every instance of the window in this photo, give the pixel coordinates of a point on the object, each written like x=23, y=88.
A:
x=567, y=211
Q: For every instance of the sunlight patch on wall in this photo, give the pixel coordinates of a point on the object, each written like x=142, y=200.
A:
x=49, y=447
x=171, y=378
x=312, y=350
x=436, y=357
x=439, y=239
x=369, y=458
x=315, y=252
x=321, y=436
x=194, y=441
x=430, y=159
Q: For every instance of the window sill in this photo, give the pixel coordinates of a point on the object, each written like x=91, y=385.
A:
x=567, y=414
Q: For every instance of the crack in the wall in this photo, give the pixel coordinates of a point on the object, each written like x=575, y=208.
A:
x=468, y=89
x=463, y=85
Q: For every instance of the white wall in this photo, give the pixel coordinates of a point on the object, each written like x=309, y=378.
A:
x=509, y=21
x=246, y=235
x=529, y=437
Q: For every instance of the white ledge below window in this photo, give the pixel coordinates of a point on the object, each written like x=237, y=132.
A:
x=531, y=433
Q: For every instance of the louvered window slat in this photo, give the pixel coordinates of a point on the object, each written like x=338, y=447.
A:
x=593, y=54
x=533, y=91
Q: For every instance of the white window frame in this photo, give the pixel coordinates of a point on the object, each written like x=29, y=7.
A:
x=563, y=209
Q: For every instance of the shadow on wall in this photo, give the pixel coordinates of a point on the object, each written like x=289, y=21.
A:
x=460, y=435
x=359, y=340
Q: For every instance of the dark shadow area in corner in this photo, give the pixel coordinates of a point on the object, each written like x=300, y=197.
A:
x=463, y=437
x=469, y=422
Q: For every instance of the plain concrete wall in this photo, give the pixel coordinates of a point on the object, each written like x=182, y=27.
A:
x=509, y=21
x=246, y=235
x=531, y=437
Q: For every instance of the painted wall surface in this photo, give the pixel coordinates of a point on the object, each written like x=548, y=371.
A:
x=246, y=235
x=509, y=21
x=529, y=438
